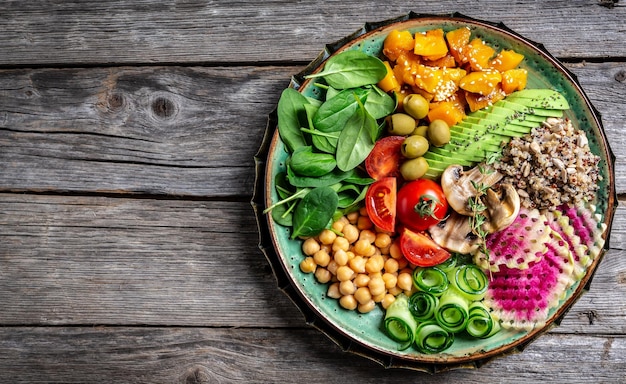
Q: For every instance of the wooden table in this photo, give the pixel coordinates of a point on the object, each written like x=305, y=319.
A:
x=128, y=246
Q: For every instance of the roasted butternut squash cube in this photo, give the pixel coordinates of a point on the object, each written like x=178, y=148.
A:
x=446, y=111
x=440, y=82
x=481, y=82
x=479, y=55
x=506, y=59
x=447, y=61
x=396, y=43
x=514, y=80
x=389, y=82
x=431, y=44
x=476, y=101
x=458, y=40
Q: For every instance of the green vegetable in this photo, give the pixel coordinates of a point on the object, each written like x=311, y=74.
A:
x=357, y=139
x=333, y=177
x=305, y=162
x=432, y=338
x=431, y=279
x=422, y=305
x=453, y=311
x=333, y=114
x=399, y=323
x=480, y=323
x=470, y=281
x=291, y=114
x=351, y=69
x=314, y=211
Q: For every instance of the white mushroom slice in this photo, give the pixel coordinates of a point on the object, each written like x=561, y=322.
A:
x=455, y=234
x=458, y=186
x=502, y=207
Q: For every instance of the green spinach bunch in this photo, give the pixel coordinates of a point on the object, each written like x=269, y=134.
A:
x=327, y=141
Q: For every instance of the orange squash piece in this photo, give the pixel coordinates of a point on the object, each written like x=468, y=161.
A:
x=514, y=80
x=476, y=101
x=458, y=40
x=396, y=43
x=389, y=82
x=448, y=61
x=506, y=59
x=446, y=111
x=440, y=82
x=431, y=44
x=479, y=55
x=481, y=82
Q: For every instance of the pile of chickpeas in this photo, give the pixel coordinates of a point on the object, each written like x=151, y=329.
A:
x=362, y=264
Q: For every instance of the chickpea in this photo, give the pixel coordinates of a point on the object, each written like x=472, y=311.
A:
x=390, y=280
x=391, y=265
x=361, y=280
x=353, y=217
x=395, y=290
x=327, y=236
x=344, y=273
x=395, y=251
x=357, y=264
x=341, y=257
x=387, y=300
x=363, y=295
x=376, y=286
x=402, y=262
x=382, y=240
x=326, y=247
x=364, y=248
x=340, y=243
x=308, y=265
x=369, y=235
x=364, y=222
x=348, y=302
x=338, y=225
x=321, y=258
x=347, y=287
x=375, y=264
x=310, y=246
x=332, y=267
x=333, y=291
x=405, y=281
x=323, y=275
x=363, y=211
x=350, y=233
x=366, y=307
x=379, y=298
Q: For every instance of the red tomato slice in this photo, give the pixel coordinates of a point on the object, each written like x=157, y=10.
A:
x=384, y=159
x=421, y=204
x=421, y=250
x=380, y=203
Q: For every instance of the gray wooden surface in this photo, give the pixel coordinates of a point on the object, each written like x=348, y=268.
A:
x=127, y=241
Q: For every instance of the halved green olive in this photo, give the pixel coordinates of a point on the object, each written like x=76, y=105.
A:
x=416, y=105
x=438, y=133
x=414, y=169
x=414, y=146
x=400, y=124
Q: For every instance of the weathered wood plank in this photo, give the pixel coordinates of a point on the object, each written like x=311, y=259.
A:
x=114, y=261
x=208, y=355
x=136, y=130
x=119, y=32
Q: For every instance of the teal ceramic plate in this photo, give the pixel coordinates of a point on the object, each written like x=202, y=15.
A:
x=362, y=333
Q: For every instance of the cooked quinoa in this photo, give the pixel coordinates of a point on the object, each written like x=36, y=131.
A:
x=551, y=166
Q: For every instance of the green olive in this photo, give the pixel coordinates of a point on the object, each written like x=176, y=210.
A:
x=414, y=169
x=414, y=146
x=416, y=106
x=421, y=130
x=400, y=124
x=438, y=133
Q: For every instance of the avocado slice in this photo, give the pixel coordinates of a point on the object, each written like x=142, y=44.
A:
x=539, y=98
x=532, y=110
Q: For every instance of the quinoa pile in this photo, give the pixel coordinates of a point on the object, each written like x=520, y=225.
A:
x=552, y=165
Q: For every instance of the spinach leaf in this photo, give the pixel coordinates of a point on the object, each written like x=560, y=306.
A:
x=356, y=140
x=350, y=194
x=283, y=215
x=334, y=177
x=378, y=103
x=324, y=141
x=314, y=212
x=291, y=113
x=333, y=113
x=305, y=162
x=351, y=69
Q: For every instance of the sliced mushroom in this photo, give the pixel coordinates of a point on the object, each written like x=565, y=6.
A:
x=502, y=207
x=458, y=186
x=455, y=234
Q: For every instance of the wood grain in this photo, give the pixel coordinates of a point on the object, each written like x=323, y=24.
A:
x=121, y=32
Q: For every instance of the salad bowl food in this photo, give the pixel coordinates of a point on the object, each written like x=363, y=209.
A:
x=534, y=264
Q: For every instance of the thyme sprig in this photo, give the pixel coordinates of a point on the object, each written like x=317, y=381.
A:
x=478, y=218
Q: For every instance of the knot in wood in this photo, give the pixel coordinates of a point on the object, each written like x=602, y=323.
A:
x=620, y=76
x=198, y=374
x=115, y=101
x=163, y=107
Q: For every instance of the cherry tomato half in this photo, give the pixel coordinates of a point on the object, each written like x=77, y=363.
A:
x=421, y=204
x=421, y=250
x=380, y=203
x=384, y=159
